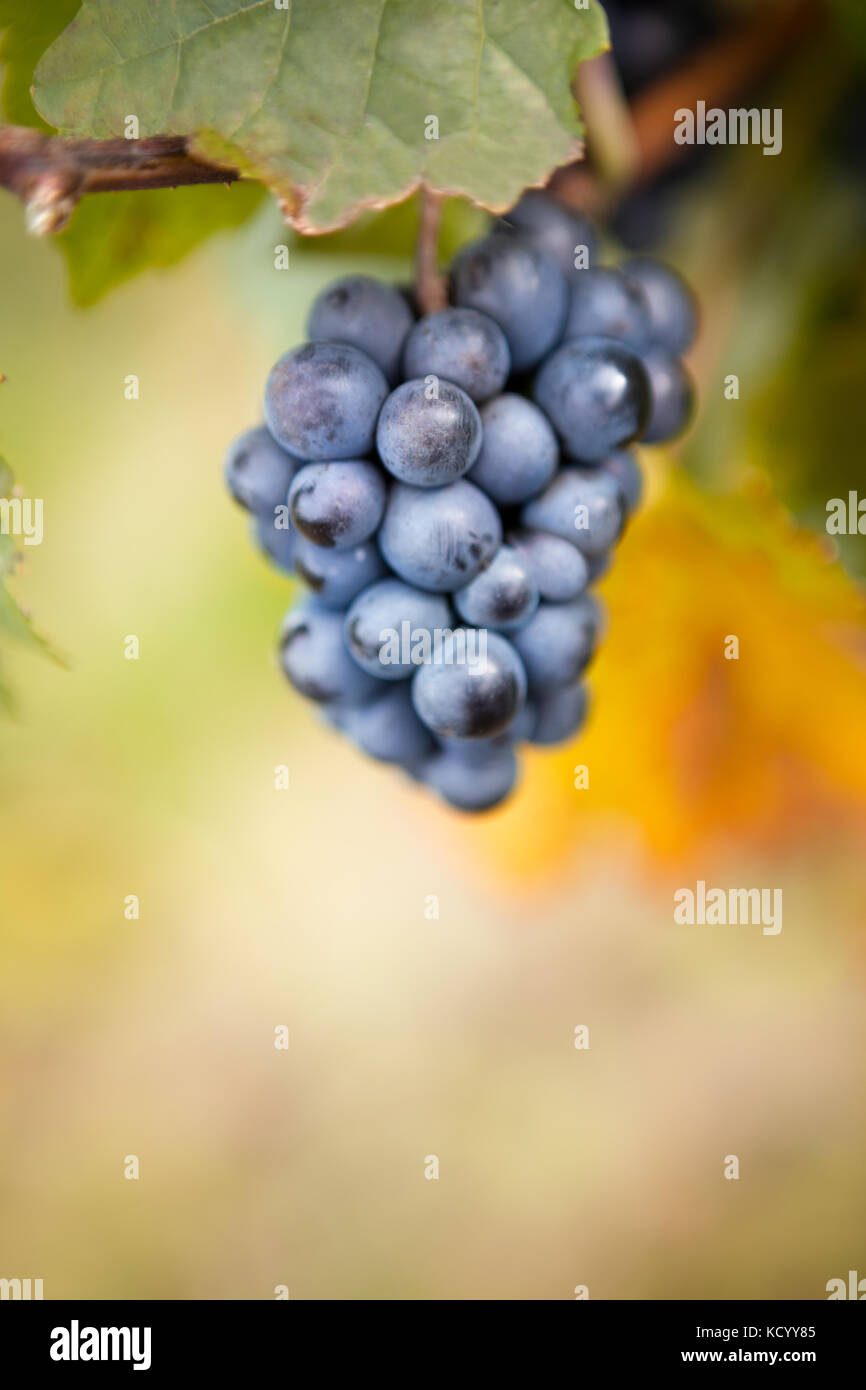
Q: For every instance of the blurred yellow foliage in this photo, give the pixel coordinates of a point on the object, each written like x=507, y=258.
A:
x=688, y=744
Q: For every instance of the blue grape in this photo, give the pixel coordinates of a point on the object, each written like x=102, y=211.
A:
x=597, y=395
x=428, y=641
x=606, y=304
x=336, y=576
x=520, y=729
x=314, y=656
x=519, y=452
x=520, y=287
x=462, y=346
x=599, y=566
x=472, y=783
x=439, y=538
x=673, y=314
x=517, y=732
x=279, y=542
x=557, y=643
x=559, y=714
x=672, y=397
x=582, y=505
x=560, y=571
x=428, y=441
x=338, y=504
x=538, y=219
x=258, y=472
x=375, y=632
x=322, y=401
x=368, y=315
x=625, y=469
x=387, y=728
x=470, y=693
x=503, y=596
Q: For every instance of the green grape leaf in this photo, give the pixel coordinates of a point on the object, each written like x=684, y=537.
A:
x=113, y=236
x=851, y=18
x=14, y=622
x=808, y=422
x=787, y=315
x=341, y=106
x=28, y=29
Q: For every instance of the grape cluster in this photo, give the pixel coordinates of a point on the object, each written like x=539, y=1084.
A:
x=450, y=486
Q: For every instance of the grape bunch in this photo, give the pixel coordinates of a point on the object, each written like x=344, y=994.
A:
x=450, y=486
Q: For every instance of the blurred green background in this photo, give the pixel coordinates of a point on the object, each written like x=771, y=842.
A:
x=306, y=906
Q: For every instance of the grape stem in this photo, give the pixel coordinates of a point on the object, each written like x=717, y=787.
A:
x=50, y=173
x=430, y=290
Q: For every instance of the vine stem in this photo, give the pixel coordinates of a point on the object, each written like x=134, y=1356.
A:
x=49, y=173
x=430, y=290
